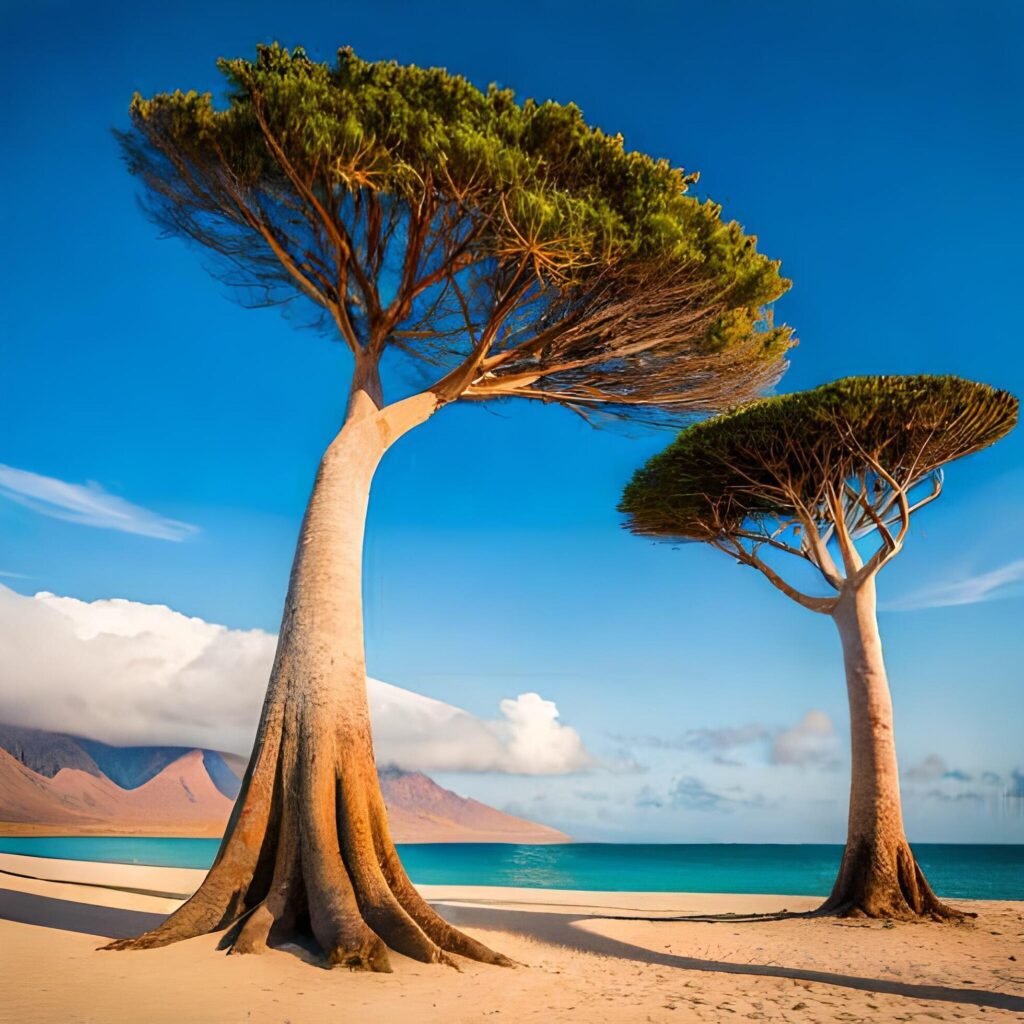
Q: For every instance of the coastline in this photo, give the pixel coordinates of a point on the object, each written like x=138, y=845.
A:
x=964, y=871
x=609, y=956
x=176, y=884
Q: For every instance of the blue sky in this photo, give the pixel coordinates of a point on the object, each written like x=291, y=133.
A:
x=876, y=149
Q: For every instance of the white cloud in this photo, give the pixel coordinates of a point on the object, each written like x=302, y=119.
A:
x=413, y=731
x=126, y=672
x=812, y=741
x=87, y=504
x=986, y=586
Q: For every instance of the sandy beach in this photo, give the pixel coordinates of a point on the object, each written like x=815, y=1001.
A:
x=586, y=956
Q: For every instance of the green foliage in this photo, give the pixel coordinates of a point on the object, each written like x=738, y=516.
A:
x=759, y=461
x=549, y=187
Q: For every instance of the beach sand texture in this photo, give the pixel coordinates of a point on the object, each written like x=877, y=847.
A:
x=579, y=965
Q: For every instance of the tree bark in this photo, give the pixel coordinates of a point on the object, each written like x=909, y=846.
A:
x=879, y=876
x=307, y=848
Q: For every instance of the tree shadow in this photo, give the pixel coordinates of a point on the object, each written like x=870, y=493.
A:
x=69, y=916
x=556, y=929
x=560, y=929
x=725, y=918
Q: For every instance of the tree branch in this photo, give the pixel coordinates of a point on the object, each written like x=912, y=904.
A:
x=824, y=605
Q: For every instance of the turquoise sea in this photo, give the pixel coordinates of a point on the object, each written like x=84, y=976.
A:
x=957, y=871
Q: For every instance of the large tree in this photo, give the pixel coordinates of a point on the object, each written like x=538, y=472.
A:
x=832, y=476
x=485, y=249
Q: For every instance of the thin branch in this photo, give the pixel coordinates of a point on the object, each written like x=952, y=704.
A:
x=824, y=605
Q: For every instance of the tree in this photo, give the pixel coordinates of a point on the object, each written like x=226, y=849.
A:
x=812, y=475
x=487, y=249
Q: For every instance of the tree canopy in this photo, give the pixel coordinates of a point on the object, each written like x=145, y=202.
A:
x=800, y=471
x=502, y=247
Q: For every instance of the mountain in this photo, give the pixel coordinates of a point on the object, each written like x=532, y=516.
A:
x=181, y=799
x=58, y=784
x=48, y=752
x=419, y=811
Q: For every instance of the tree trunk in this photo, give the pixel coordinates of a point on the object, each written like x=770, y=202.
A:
x=307, y=848
x=879, y=876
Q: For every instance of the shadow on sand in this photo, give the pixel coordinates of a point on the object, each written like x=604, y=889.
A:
x=558, y=929
x=84, y=918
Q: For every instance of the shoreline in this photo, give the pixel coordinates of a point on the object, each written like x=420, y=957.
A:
x=179, y=883
x=982, y=872
x=174, y=885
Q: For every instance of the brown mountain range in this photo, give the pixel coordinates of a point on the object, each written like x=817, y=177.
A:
x=181, y=800
x=54, y=784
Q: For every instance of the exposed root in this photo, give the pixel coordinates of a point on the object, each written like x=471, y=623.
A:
x=433, y=925
x=308, y=855
x=883, y=881
x=252, y=936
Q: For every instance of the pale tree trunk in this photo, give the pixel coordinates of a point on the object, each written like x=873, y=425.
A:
x=307, y=849
x=879, y=876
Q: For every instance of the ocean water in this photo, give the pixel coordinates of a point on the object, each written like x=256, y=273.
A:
x=956, y=871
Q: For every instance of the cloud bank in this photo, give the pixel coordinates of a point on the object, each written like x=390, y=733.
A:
x=87, y=504
x=125, y=672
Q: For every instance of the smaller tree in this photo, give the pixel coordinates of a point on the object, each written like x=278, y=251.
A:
x=832, y=476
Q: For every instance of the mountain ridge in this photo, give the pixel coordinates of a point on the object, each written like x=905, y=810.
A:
x=56, y=783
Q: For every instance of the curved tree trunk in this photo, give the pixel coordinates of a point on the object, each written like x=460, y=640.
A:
x=307, y=848
x=879, y=876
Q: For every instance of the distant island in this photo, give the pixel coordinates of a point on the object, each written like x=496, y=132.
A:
x=58, y=784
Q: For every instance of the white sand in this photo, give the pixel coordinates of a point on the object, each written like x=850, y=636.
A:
x=582, y=967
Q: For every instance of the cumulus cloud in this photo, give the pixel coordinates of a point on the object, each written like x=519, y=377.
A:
x=87, y=504
x=126, y=672
x=986, y=586
x=413, y=731
x=811, y=742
